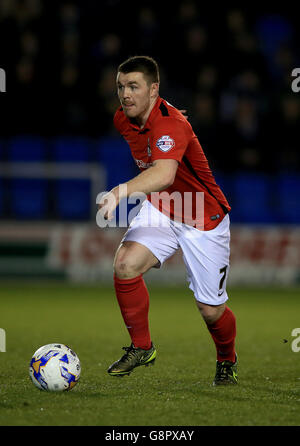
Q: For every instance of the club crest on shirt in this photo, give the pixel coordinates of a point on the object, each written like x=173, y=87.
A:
x=165, y=143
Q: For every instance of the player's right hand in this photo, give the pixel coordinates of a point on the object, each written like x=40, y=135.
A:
x=107, y=204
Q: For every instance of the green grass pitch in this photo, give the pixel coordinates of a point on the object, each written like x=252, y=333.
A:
x=178, y=390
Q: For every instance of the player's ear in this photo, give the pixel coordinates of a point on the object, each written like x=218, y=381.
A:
x=154, y=89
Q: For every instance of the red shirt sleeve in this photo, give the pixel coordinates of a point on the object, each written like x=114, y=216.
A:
x=169, y=140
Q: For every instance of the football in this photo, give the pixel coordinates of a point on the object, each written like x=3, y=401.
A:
x=55, y=368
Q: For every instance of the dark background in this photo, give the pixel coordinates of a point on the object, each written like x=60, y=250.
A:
x=229, y=67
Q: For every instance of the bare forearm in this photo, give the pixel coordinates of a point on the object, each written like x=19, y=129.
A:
x=150, y=180
x=155, y=179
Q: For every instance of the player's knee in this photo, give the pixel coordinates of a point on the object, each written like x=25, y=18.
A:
x=133, y=259
x=210, y=313
x=125, y=267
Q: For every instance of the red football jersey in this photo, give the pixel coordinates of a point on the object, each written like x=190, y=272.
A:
x=168, y=135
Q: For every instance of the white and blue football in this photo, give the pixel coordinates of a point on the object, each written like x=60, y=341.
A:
x=55, y=368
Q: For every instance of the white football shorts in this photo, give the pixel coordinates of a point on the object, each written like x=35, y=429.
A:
x=205, y=253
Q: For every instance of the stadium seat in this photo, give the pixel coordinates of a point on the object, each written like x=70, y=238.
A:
x=72, y=150
x=288, y=198
x=224, y=181
x=26, y=149
x=114, y=154
x=72, y=195
x=251, y=199
x=29, y=198
x=72, y=199
x=28, y=195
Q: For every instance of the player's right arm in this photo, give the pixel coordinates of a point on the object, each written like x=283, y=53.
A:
x=156, y=178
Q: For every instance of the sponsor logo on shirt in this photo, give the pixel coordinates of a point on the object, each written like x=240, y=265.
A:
x=165, y=143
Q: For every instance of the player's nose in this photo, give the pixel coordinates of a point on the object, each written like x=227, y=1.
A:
x=126, y=93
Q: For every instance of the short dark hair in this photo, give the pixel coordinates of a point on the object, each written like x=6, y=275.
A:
x=142, y=64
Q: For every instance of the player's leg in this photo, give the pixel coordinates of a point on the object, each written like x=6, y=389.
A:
x=132, y=260
x=142, y=248
x=206, y=256
x=210, y=313
x=221, y=323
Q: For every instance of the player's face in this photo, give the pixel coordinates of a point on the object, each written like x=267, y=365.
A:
x=136, y=95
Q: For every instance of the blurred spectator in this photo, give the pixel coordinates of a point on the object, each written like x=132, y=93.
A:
x=247, y=84
x=284, y=62
x=69, y=17
x=187, y=13
x=207, y=79
x=243, y=138
x=286, y=129
x=29, y=44
x=236, y=22
x=107, y=50
x=273, y=31
x=205, y=125
x=148, y=31
x=70, y=47
x=195, y=53
x=231, y=71
x=25, y=103
x=104, y=103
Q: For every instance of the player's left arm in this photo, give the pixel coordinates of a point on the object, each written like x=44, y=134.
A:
x=154, y=179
